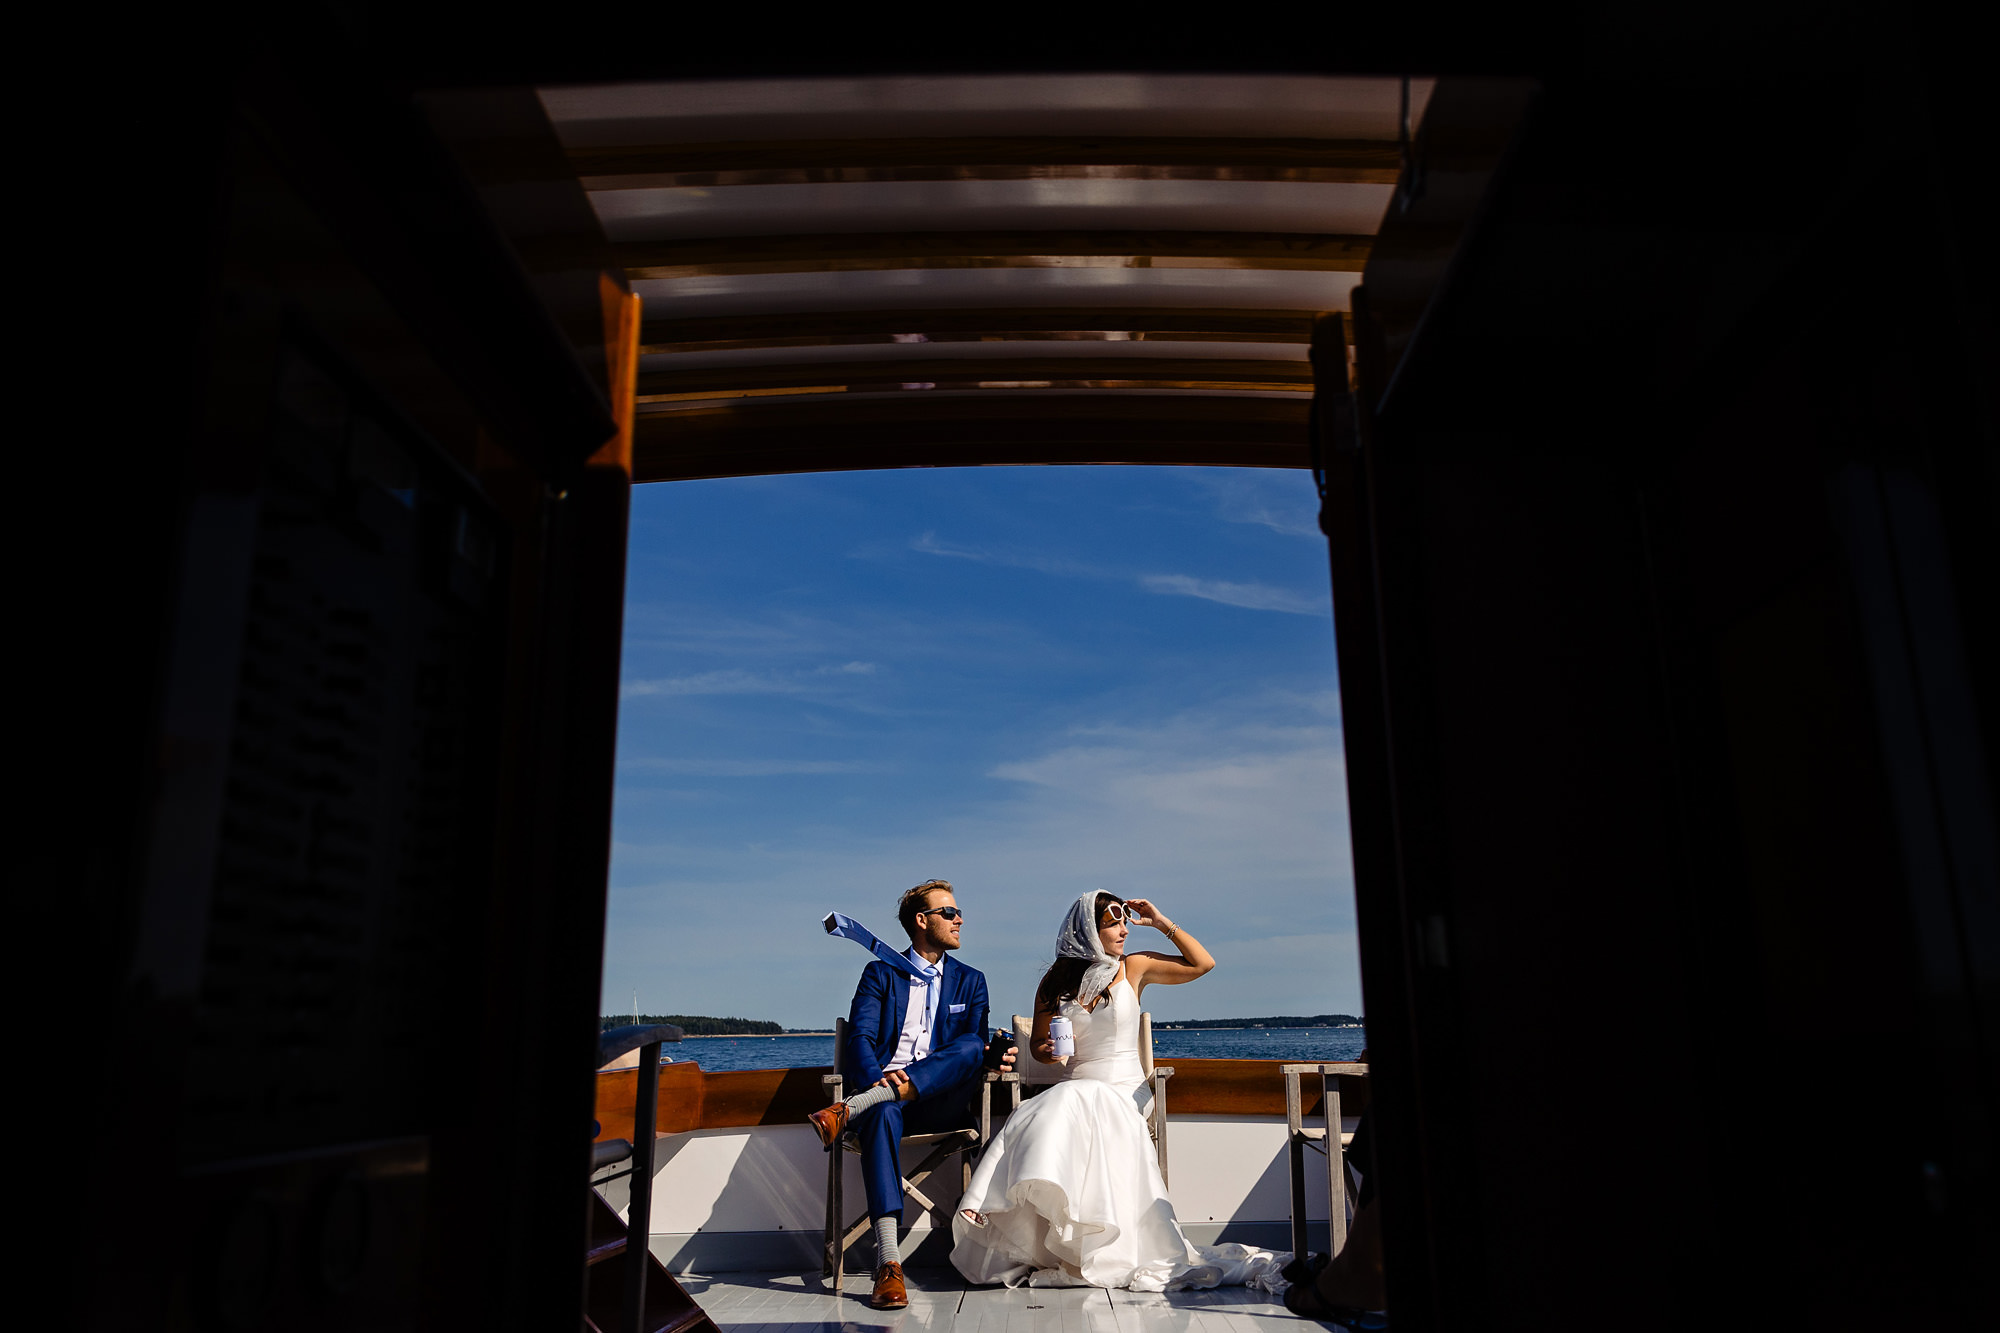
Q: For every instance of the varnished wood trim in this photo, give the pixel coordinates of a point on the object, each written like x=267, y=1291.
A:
x=869, y=251
x=785, y=329
x=969, y=371
x=1250, y=1087
x=943, y=430
x=987, y=336
x=965, y=385
x=999, y=171
x=841, y=161
x=691, y=1099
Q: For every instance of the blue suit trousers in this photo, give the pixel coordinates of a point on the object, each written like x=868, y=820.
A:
x=880, y=1130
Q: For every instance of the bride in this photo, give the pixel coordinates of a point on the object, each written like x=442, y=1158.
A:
x=1069, y=1192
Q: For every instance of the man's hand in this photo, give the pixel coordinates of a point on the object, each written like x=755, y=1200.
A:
x=906, y=1091
x=999, y=1051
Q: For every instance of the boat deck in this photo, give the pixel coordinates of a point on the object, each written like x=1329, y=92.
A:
x=942, y=1301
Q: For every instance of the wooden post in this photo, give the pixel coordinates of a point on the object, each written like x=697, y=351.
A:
x=1336, y=1164
x=1295, y=1149
x=639, y=1216
x=833, y=1250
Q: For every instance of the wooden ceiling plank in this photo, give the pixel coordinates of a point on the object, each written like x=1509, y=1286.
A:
x=991, y=336
x=723, y=180
x=1271, y=373
x=888, y=451
x=1159, y=411
x=768, y=162
x=841, y=252
x=932, y=431
x=786, y=329
x=971, y=385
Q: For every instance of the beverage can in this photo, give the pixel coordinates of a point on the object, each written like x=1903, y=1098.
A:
x=1062, y=1036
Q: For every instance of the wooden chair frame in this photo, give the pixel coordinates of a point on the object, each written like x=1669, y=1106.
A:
x=964, y=1142
x=1331, y=1139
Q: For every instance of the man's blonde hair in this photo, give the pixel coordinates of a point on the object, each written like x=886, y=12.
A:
x=916, y=900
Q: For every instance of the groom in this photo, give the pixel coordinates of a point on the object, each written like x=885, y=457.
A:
x=916, y=1050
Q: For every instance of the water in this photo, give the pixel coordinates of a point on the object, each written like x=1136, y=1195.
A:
x=716, y=1054
x=1260, y=1044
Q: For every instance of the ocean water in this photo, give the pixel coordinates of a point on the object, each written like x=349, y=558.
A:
x=716, y=1054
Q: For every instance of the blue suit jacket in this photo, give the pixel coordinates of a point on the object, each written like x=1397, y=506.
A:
x=875, y=1022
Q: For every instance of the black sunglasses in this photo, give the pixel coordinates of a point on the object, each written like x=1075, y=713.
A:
x=948, y=913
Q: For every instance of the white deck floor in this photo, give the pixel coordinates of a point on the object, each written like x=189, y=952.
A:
x=940, y=1300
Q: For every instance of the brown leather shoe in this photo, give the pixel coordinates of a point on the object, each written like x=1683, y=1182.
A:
x=830, y=1122
x=890, y=1293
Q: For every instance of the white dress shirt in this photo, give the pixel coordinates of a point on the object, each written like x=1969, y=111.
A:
x=920, y=1015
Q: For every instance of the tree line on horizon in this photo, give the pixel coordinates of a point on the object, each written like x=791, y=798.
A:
x=697, y=1025
x=1280, y=1021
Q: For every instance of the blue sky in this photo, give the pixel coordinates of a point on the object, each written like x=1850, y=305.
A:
x=1028, y=681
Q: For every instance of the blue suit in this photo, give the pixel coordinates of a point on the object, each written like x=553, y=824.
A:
x=945, y=1079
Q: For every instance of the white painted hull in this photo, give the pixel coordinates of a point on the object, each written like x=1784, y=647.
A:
x=754, y=1197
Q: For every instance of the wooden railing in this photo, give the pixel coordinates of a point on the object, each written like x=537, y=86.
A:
x=691, y=1099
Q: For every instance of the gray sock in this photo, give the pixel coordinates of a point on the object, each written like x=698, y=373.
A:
x=861, y=1101
x=886, y=1249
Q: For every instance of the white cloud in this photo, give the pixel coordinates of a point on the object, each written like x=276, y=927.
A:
x=1282, y=501
x=749, y=768
x=734, y=680
x=929, y=544
x=711, y=682
x=1252, y=596
x=1233, y=817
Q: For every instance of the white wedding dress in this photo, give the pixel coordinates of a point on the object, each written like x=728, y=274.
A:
x=1069, y=1192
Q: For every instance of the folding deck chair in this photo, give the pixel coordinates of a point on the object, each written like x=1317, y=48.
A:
x=965, y=1142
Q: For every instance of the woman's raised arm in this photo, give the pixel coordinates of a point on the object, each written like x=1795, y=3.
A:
x=1160, y=969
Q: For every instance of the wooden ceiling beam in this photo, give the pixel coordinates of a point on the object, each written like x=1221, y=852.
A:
x=936, y=431
x=847, y=161
x=866, y=251
x=1260, y=373
x=828, y=328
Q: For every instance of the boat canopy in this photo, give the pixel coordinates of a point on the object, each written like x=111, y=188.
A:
x=899, y=271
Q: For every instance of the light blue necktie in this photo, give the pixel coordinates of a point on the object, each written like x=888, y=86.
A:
x=847, y=927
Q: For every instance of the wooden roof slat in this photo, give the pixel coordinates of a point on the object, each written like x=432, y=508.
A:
x=969, y=385
x=1263, y=373
x=785, y=329
x=838, y=252
x=928, y=430
x=941, y=337
x=789, y=162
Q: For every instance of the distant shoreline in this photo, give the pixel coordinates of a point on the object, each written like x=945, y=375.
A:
x=1257, y=1027
x=1157, y=1027
x=739, y=1036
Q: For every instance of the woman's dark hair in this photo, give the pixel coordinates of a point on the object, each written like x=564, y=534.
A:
x=1059, y=983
